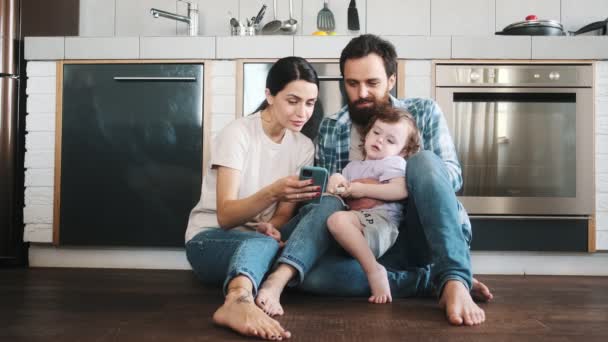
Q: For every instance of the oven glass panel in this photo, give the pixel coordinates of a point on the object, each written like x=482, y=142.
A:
x=516, y=144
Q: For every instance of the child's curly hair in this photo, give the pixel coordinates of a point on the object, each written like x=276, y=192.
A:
x=390, y=115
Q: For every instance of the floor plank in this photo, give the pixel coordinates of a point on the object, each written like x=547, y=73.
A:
x=158, y=305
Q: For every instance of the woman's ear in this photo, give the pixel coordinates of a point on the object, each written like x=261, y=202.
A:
x=269, y=97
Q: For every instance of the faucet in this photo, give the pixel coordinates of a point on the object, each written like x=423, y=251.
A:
x=191, y=19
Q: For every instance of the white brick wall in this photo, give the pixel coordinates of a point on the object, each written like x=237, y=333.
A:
x=418, y=78
x=601, y=157
x=39, y=154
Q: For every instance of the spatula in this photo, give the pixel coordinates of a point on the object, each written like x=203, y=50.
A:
x=325, y=19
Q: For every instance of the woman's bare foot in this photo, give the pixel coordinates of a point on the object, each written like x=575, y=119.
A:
x=269, y=296
x=459, y=306
x=240, y=314
x=378, y=282
x=481, y=292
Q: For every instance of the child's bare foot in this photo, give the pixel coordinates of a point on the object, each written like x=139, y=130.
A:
x=269, y=296
x=481, y=292
x=240, y=314
x=459, y=306
x=378, y=282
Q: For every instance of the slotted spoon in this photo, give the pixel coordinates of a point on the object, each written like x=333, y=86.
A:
x=325, y=19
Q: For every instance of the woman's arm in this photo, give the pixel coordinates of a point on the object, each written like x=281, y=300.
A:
x=233, y=211
x=283, y=214
x=394, y=190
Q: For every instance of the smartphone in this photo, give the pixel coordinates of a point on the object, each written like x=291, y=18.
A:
x=319, y=176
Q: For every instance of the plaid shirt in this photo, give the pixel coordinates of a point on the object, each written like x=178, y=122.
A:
x=333, y=141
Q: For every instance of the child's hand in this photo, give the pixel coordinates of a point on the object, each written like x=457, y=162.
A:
x=268, y=229
x=336, y=183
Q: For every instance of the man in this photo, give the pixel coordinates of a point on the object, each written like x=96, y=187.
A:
x=435, y=232
x=431, y=254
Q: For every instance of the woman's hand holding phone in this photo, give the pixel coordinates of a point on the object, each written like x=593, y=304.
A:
x=291, y=189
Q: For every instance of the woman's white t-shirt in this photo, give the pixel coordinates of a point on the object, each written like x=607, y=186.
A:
x=243, y=146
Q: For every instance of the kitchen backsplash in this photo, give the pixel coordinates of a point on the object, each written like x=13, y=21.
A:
x=386, y=17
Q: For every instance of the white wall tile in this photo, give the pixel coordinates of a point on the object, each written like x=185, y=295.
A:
x=339, y=8
x=601, y=163
x=601, y=220
x=418, y=68
x=39, y=196
x=40, y=141
x=41, y=85
x=39, y=177
x=44, y=48
x=602, y=125
x=499, y=47
x=223, y=85
x=421, y=47
x=319, y=47
x=41, y=233
x=177, y=47
x=399, y=17
x=578, y=13
x=602, y=202
x=35, y=68
x=40, y=123
x=602, y=240
x=97, y=18
x=601, y=144
x=133, y=18
x=511, y=11
x=462, y=17
x=602, y=183
x=39, y=159
x=418, y=86
x=580, y=47
x=101, y=47
x=213, y=17
x=224, y=104
x=222, y=68
x=40, y=103
x=38, y=214
x=254, y=47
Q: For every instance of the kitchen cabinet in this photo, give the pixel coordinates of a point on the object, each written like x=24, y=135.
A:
x=129, y=153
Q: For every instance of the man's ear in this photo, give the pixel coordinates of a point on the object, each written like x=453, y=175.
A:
x=269, y=97
x=391, y=82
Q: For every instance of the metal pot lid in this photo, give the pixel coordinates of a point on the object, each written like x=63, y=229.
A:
x=535, y=23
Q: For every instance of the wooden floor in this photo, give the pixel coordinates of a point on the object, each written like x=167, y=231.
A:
x=136, y=305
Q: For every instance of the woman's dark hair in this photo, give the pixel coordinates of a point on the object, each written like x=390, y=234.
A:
x=366, y=44
x=390, y=115
x=286, y=70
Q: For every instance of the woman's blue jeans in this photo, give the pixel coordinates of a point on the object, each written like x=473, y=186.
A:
x=431, y=249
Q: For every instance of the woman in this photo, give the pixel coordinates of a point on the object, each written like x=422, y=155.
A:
x=250, y=191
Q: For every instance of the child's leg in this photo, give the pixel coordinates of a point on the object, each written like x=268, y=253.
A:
x=348, y=231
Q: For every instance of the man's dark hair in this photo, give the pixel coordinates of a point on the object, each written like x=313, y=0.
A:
x=366, y=44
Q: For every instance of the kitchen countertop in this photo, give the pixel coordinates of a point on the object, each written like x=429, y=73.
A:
x=227, y=47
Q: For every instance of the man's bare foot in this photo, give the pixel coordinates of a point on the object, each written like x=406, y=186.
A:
x=240, y=314
x=459, y=306
x=269, y=296
x=378, y=282
x=481, y=292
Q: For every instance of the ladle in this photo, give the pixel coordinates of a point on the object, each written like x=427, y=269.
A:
x=291, y=25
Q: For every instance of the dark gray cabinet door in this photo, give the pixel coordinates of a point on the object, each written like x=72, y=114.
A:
x=131, y=153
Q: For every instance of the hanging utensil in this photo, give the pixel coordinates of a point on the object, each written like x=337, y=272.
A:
x=353, y=17
x=275, y=25
x=258, y=18
x=325, y=19
x=291, y=25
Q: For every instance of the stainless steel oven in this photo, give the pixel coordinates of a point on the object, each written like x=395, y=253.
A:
x=332, y=96
x=524, y=136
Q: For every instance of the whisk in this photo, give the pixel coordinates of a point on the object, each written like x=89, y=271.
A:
x=325, y=19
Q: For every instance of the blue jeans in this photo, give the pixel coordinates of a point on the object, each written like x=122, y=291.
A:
x=218, y=255
x=432, y=247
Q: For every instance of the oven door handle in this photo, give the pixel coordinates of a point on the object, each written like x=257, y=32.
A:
x=531, y=217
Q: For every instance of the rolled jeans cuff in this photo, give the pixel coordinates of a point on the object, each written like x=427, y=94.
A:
x=243, y=272
x=297, y=280
x=452, y=277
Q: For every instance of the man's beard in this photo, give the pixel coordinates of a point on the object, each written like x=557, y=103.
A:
x=361, y=115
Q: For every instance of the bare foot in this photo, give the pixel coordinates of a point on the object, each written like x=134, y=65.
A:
x=269, y=296
x=459, y=306
x=381, y=290
x=240, y=314
x=481, y=292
